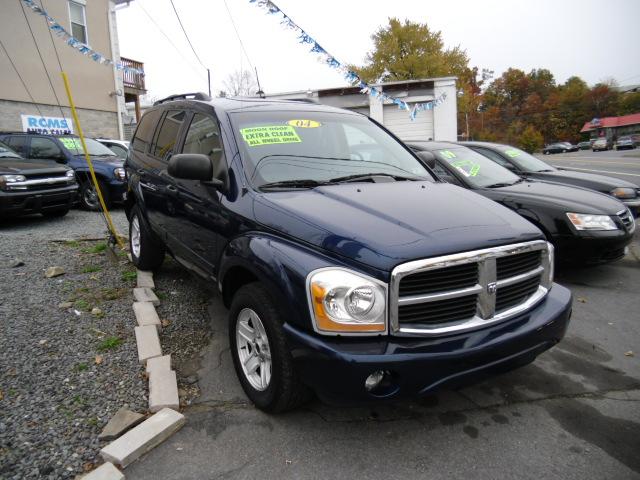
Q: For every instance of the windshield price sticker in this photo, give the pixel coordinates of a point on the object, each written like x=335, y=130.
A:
x=512, y=153
x=447, y=154
x=71, y=143
x=467, y=168
x=269, y=135
x=304, y=123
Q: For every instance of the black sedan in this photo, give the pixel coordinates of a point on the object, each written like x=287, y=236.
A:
x=560, y=147
x=525, y=165
x=34, y=186
x=586, y=227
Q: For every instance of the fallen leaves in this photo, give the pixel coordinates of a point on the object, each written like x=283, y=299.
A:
x=629, y=354
x=98, y=360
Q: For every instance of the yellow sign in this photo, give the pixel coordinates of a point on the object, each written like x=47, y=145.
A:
x=304, y=123
x=269, y=135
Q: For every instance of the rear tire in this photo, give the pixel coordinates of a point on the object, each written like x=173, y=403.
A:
x=89, y=198
x=260, y=353
x=146, y=253
x=56, y=213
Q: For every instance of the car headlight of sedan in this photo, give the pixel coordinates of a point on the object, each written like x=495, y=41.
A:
x=120, y=173
x=585, y=221
x=343, y=302
x=622, y=192
x=7, y=180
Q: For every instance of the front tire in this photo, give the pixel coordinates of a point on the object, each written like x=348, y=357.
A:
x=146, y=253
x=260, y=353
x=89, y=198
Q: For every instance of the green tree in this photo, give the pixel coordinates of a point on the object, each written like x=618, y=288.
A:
x=530, y=140
x=629, y=103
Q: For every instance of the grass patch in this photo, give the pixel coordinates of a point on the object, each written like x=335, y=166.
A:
x=82, y=304
x=81, y=367
x=129, y=275
x=72, y=243
x=92, y=421
x=91, y=269
x=109, y=343
x=113, y=293
x=161, y=295
x=97, y=248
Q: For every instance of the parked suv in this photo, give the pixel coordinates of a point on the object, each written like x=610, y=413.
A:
x=347, y=267
x=30, y=186
x=67, y=150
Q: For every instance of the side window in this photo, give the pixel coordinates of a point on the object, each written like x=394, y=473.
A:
x=144, y=132
x=203, y=137
x=495, y=157
x=18, y=143
x=78, y=18
x=45, y=148
x=444, y=174
x=168, y=134
x=121, y=152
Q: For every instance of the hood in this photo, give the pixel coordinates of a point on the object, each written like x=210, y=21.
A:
x=385, y=224
x=553, y=196
x=114, y=160
x=22, y=166
x=602, y=183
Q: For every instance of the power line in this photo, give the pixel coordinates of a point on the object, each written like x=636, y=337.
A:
x=51, y=36
x=188, y=62
x=238, y=35
x=46, y=71
x=20, y=77
x=185, y=34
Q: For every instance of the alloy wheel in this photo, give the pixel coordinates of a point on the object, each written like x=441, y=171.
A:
x=253, y=349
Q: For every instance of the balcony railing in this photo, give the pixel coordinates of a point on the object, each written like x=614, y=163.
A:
x=133, y=80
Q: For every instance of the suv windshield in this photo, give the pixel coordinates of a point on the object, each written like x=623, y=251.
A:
x=93, y=147
x=476, y=169
x=527, y=162
x=6, y=152
x=304, y=149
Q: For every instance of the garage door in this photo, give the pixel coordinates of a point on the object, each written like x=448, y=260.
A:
x=399, y=122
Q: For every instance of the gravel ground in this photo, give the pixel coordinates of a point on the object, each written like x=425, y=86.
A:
x=55, y=398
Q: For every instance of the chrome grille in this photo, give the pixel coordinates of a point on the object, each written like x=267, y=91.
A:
x=468, y=290
x=627, y=220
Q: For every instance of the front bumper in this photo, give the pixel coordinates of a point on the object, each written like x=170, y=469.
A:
x=592, y=248
x=117, y=190
x=39, y=201
x=336, y=368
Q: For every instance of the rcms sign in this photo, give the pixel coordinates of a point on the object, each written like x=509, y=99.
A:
x=46, y=125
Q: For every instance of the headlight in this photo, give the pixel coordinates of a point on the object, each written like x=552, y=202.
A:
x=621, y=192
x=585, y=221
x=7, y=180
x=344, y=302
x=120, y=173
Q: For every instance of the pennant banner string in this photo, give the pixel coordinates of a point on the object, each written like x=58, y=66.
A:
x=350, y=76
x=77, y=44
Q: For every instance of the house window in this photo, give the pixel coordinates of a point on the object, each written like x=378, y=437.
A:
x=78, y=21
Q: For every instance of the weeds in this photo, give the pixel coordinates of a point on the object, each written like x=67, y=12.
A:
x=97, y=248
x=109, y=343
x=82, y=304
x=81, y=367
x=91, y=269
x=128, y=275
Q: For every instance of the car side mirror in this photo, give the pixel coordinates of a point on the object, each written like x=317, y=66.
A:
x=427, y=157
x=196, y=166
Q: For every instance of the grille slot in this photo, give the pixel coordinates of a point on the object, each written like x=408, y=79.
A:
x=442, y=311
x=440, y=280
x=517, y=264
x=626, y=219
x=515, y=294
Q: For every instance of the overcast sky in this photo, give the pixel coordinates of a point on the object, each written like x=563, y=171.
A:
x=593, y=39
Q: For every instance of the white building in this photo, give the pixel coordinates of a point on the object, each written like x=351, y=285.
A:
x=438, y=124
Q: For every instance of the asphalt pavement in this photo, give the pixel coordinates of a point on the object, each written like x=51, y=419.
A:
x=624, y=164
x=573, y=414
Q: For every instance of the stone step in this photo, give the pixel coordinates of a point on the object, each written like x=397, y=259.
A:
x=145, y=279
x=146, y=314
x=144, y=294
x=163, y=390
x=122, y=421
x=148, y=343
x=159, y=363
x=138, y=441
x=106, y=471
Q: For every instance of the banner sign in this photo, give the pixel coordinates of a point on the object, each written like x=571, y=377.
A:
x=329, y=60
x=77, y=44
x=46, y=125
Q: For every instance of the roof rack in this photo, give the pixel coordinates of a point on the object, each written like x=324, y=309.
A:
x=183, y=96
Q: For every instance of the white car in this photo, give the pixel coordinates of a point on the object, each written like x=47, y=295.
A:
x=119, y=147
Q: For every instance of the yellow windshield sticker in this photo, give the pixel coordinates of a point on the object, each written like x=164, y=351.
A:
x=71, y=143
x=512, y=153
x=448, y=154
x=467, y=168
x=269, y=135
x=304, y=123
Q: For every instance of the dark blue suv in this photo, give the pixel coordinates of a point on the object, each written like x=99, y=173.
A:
x=348, y=268
x=66, y=149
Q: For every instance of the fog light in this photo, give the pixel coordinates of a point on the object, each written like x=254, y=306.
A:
x=374, y=380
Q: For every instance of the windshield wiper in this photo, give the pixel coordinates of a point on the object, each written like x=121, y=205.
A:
x=369, y=176
x=305, y=183
x=500, y=184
